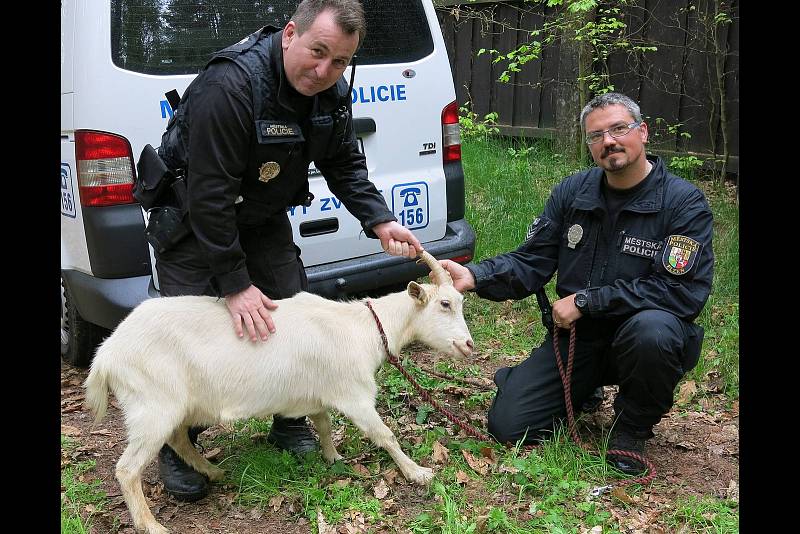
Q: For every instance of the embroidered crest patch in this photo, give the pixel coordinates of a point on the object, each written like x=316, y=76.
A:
x=680, y=254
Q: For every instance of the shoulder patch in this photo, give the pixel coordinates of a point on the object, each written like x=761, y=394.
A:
x=532, y=228
x=680, y=254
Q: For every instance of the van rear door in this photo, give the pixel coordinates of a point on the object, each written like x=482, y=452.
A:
x=402, y=85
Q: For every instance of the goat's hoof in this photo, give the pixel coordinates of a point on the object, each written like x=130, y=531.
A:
x=215, y=474
x=422, y=476
x=332, y=459
x=156, y=528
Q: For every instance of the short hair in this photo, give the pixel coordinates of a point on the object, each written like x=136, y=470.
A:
x=608, y=99
x=348, y=14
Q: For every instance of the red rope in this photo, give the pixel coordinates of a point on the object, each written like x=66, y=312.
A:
x=566, y=379
x=472, y=431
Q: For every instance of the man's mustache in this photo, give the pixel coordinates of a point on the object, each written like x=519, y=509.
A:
x=612, y=150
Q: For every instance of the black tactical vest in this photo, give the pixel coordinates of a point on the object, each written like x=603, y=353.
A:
x=284, y=143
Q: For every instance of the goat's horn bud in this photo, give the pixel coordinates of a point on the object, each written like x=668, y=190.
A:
x=439, y=274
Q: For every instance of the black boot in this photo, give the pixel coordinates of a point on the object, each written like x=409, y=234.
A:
x=632, y=440
x=180, y=480
x=293, y=435
x=593, y=402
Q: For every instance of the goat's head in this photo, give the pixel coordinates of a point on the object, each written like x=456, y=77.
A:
x=440, y=319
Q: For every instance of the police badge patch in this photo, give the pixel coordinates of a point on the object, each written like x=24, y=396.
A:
x=268, y=171
x=680, y=254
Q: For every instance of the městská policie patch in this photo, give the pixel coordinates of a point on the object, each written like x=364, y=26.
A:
x=680, y=254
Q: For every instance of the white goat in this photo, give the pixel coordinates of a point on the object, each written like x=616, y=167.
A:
x=175, y=362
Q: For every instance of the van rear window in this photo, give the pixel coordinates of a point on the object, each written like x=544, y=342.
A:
x=178, y=36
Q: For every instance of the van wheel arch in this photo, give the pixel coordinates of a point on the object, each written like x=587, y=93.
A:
x=79, y=337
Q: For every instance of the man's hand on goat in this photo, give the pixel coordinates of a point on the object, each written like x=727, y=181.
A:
x=251, y=307
x=397, y=240
x=463, y=280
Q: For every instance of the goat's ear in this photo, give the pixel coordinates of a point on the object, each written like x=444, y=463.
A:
x=417, y=292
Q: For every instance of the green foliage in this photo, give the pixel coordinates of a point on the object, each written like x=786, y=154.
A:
x=80, y=500
x=686, y=166
x=705, y=515
x=602, y=29
x=473, y=126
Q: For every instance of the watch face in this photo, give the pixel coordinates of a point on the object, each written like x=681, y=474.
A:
x=580, y=300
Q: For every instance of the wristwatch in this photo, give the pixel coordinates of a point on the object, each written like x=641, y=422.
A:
x=582, y=301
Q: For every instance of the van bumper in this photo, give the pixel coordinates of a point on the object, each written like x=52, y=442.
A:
x=106, y=301
x=369, y=273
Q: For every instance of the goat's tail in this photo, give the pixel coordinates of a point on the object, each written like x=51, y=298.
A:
x=97, y=389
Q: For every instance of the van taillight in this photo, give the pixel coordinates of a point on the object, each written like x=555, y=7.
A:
x=451, y=133
x=105, y=168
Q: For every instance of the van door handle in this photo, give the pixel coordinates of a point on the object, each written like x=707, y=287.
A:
x=363, y=125
x=319, y=227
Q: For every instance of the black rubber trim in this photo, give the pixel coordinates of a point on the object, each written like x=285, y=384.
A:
x=454, y=182
x=106, y=302
x=364, y=125
x=115, y=241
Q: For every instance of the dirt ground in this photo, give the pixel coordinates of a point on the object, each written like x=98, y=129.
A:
x=695, y=453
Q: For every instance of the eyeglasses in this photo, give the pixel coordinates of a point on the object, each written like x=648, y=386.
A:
x=614, y=131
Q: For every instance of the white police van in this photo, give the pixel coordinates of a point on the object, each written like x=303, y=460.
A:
x=120, y=57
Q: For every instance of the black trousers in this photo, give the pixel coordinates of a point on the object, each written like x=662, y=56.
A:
x=646, y=355
x=273, y=263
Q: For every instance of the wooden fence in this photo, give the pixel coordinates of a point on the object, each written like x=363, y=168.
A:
x=672, y=85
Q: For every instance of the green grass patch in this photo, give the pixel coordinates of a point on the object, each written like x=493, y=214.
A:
x=705, y=515
x=81, y=498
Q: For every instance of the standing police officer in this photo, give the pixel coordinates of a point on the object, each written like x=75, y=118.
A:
x=632, y=246
x=245, y=132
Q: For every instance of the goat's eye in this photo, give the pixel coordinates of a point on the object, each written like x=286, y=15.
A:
x=446, y=304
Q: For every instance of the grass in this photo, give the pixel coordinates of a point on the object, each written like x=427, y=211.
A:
x=706, y=515
x=80, y=499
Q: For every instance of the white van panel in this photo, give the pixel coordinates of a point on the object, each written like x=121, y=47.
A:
x=74, y=251
x=67, y=42
x=406, y=111
x=67, y=113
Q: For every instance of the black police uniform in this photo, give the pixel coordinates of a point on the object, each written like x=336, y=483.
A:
x=251, y=137
x=647, y=268
x=245, y=139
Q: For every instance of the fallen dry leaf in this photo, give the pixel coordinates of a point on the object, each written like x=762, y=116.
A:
x=361, y=470
x=213, y=453
x=479, y=465
x=68, y=430
x=489, y=454
x=440, y=453
x=102, y=432
x=381, y=490
x=687, y=392
x=256, y=513
x=390, y=475
x=620, y=494
x=342, y=482
x=732, y=492
x=323, y=527
x=462, y=477
x=276, y=502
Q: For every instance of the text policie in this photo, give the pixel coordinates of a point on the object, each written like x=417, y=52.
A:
x=380, y=93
